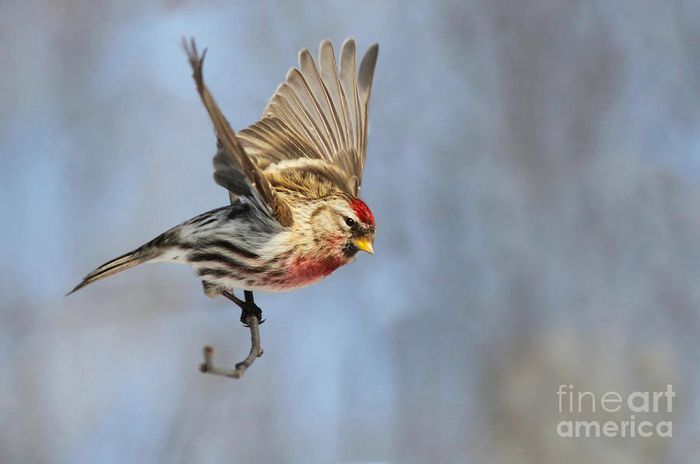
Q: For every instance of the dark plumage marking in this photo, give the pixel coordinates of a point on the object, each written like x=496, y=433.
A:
x=213, y=272
x=350, y=249
x=223, y=259
x=226, y=245
x=207, y=216
x=236, y=210
x=275, y=274
x=283, y=256
x=208, y=221
x=358, y=230
x=223, y=213
x=317, y=211
x=187, y=246
x=165, y=240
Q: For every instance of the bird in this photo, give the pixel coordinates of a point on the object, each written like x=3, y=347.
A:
x=293, y=180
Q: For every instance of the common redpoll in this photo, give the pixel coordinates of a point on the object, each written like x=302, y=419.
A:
x=293, y=180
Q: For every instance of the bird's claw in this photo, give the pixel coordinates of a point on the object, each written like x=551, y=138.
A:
x=251, y=310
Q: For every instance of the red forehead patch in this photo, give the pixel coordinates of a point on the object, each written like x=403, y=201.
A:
x=362, y=211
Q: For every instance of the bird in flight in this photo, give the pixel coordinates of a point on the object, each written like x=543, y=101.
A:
x=293, y=180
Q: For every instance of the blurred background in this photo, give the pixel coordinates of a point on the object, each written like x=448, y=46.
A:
x=533, y=167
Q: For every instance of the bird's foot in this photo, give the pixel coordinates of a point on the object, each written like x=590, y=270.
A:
x=248, y=307
x=251, y=311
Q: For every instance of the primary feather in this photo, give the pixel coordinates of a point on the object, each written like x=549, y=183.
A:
x=318, y=113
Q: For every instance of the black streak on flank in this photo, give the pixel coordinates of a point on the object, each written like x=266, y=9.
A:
x=284, y=256
x=213, y=272
x=225, y=245
x=275, y=274
x=223, y=259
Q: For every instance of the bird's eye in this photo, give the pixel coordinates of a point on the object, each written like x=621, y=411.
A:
x=350, y=222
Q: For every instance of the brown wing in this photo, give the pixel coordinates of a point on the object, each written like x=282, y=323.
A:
x=319, y=113
x=233, y=169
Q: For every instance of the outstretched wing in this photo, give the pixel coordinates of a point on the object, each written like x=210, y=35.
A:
x=318, y=112
x=233, y=169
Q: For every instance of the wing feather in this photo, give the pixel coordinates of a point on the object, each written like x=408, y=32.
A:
x=233, y=169
x=303, y=102
x=320, y=93
x=348, y=80
x=365, y=76
x=329, y=74
x=318, y=112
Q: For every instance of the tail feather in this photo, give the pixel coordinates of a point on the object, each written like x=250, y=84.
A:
x=109, y=268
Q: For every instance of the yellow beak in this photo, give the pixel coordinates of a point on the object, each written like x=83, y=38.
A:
x=364, y=245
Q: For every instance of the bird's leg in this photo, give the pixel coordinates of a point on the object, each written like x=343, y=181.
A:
x=251, y=317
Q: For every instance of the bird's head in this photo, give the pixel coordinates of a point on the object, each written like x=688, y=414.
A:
x=343, y=226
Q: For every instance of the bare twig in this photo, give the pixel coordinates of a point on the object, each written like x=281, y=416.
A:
x=251, y=318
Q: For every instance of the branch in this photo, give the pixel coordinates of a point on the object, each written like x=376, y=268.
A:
x=251, y=317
